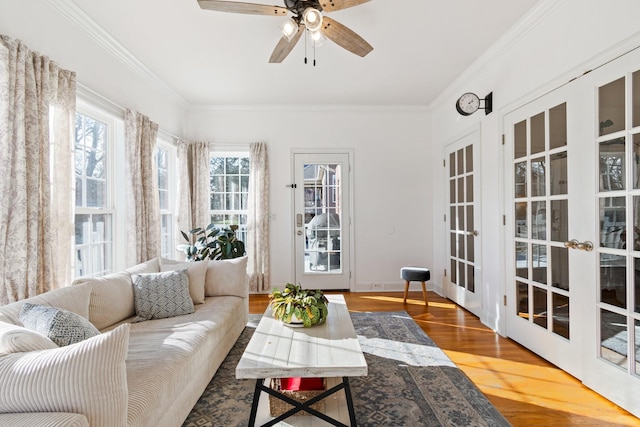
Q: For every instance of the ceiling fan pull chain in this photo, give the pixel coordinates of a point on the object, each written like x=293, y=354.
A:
x=314, y=54
x=305, y=46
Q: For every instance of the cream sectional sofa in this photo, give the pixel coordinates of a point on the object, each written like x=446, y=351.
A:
x=149, y=373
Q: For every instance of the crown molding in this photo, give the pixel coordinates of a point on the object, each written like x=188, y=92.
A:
x=86, y=24
x=309, y=108
x=507, y=41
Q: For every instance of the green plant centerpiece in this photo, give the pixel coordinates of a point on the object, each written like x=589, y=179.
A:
x=212, y=243
x=296, y=305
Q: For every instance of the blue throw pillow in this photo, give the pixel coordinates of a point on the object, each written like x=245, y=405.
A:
x=161, y=295
x=60, y=326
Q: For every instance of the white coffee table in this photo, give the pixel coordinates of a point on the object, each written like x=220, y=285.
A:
x=277, y=350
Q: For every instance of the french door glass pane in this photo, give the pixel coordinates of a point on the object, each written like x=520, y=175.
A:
x=613, y=338
x=520, y=179
x=537, y=133
x=540, y=308
x=522, y=260
x=612, y=165
x=560, y=268
x=521, y=220
x=613, y=222
x=520, y=139
x=539, y=263
x=636, y=98
x=558, y=126
x=539, y=220
x=613, y=280
x=558, y=172
x=559, y=220
x=611, y=107
x=636, y=161
x=636, y=285
x=522, y=295
x=561, y=315
x=538, y=177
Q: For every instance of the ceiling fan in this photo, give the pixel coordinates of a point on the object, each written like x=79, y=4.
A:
x=306, y=15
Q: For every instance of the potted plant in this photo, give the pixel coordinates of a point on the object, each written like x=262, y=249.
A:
x=295, y=305
x=212, y=243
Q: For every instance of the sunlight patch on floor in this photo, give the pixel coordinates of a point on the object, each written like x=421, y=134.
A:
x=541, y=386
x=409, y=301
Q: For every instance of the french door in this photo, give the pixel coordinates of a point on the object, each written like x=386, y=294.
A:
x=462, y=165
x=322, y=220
x=572, y=169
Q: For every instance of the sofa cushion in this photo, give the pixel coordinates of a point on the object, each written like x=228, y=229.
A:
x=226, y=277
x=111, y=298
x=18, y=339
x=71, y=298
x=151, y=266
x=61, y=326
x=195, y=271
x=161, y=295
x=87, y=378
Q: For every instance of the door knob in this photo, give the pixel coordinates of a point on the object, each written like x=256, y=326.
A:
x=575, y=244
x=474, y=233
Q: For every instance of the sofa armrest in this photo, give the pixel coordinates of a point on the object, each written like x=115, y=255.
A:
x=48, y=419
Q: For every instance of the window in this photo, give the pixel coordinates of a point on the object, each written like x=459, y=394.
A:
x=164, y=167
x=93, y=213
x=229, y=179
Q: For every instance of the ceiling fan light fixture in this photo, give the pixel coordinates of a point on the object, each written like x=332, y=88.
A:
x=312, y=19
x=289, y=28
x=318, y=38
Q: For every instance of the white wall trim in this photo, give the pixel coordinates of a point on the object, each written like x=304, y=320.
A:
x=82, y=21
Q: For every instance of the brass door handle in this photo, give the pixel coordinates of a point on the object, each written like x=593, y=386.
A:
x=582, y=246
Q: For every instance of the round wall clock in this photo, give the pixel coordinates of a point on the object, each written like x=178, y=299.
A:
x=468, y=103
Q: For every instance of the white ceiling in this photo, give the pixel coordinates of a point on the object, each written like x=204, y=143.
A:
x=215, y=58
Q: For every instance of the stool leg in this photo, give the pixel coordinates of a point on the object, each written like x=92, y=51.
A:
x=424, y=293
x=406, y=290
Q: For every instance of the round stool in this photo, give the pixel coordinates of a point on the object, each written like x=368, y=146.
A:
x=415, y=274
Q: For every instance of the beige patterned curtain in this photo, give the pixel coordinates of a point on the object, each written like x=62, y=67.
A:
x=36, y=172
x=143, y=207
x=258, y=220
x=193, y=187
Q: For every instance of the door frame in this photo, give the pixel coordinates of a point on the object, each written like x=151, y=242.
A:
x=350, y=182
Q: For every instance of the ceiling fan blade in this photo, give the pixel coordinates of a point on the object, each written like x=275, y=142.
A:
x=343, y=36
x=241, y=7
x=285, y=46
x=333, y=5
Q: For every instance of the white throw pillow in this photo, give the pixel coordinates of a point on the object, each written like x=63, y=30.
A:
x=226, y=277
x=111, y=298
x=17, y=339
x=60, y=326
x=88, y=378
x=161, y=295
x=195, y=270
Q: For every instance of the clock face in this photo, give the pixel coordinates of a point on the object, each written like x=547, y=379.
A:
x=468, y=104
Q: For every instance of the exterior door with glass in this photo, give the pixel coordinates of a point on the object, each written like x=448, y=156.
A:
x=461, y=165
x=322, y=220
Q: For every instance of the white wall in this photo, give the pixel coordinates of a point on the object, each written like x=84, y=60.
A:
x=44, y=29
x=555, y=43
x=392, y=194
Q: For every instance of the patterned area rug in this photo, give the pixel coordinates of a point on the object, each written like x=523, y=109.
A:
x=411, y=382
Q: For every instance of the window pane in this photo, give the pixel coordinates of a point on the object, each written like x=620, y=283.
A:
x=244, y=165
x=521, y=179
x=522, y=260
x=539, y=220
x=522, y=296
x=232, y=165
x=522, y=220
x=217, y=165
x=540, y=308
x=538, y=177
x=636, y=98
x=96, y=195
x=559, y=220
x=539, y=263
x=561, y=315
x=469, y=154
x=560, y=268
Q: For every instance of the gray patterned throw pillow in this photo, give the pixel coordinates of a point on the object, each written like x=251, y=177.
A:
x=161, y=295
x=60, y=326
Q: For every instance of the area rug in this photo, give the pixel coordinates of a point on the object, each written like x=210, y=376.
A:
x=411, y=382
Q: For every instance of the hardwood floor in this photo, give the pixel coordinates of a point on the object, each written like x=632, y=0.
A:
x=525, y=388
